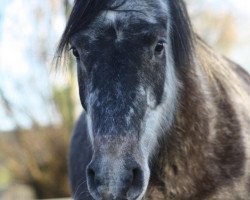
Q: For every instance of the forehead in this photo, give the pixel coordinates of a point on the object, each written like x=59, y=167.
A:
x=134, y=15
x=136, y=10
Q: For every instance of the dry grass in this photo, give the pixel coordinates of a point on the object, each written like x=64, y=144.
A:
x=38, y=158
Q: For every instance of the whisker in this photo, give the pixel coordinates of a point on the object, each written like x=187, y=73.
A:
x=85, y=192
x=77, y=189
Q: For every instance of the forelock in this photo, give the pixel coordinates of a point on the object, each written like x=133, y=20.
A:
x=84, y=12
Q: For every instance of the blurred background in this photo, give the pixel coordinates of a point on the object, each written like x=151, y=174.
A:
x=38, y=105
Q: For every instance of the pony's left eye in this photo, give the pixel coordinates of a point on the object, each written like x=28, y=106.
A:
x=159, y=47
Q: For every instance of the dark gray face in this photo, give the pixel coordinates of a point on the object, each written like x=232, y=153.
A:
x=127, y=85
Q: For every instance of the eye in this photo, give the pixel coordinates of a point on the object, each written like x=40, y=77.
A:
x=75, y=52
x=159, y=47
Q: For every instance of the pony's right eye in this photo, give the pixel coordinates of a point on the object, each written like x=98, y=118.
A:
x=75, y=53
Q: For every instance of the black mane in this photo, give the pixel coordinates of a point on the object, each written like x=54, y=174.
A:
x=84, y=11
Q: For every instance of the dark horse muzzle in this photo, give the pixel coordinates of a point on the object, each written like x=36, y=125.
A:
x=111, y=175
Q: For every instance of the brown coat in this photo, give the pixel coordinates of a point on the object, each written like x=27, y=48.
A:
x=207, y=155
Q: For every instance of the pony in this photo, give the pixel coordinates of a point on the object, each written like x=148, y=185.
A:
x=165, y=116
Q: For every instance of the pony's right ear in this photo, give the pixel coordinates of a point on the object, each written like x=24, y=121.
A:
x=182, y=35
x=83, y=12
x=81, y=15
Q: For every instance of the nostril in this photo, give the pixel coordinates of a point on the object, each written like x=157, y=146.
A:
x=137, y=178
x=91, y=173
x=136, y=186
x=91, y=177
x=93, y=181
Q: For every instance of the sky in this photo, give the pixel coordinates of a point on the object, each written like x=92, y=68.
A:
x=24, y=69
x=239, y=10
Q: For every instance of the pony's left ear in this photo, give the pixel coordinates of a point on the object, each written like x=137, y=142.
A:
x=182, y=35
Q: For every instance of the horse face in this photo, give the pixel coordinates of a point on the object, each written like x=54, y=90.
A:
x=126, y=83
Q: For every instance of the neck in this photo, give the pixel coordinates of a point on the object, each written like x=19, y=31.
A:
x=186, y=165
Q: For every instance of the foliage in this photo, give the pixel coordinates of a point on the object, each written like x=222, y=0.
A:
x=38, y=158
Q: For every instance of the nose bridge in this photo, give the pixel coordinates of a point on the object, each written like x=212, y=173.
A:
x=118, y=93
x=116, y=78
x=116, y=146
x=111, y=113
x=114, y=84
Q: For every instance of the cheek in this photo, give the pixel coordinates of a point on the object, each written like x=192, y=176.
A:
x=151, y=130
x=82, y=86
x=154, y=76
x=156, y=86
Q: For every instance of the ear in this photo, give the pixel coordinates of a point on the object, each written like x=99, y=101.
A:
x=181, y=33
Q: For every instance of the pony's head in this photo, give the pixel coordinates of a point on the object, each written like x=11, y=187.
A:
x=127, y=55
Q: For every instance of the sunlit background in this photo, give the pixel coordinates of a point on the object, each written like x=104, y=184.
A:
x=38, y=106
